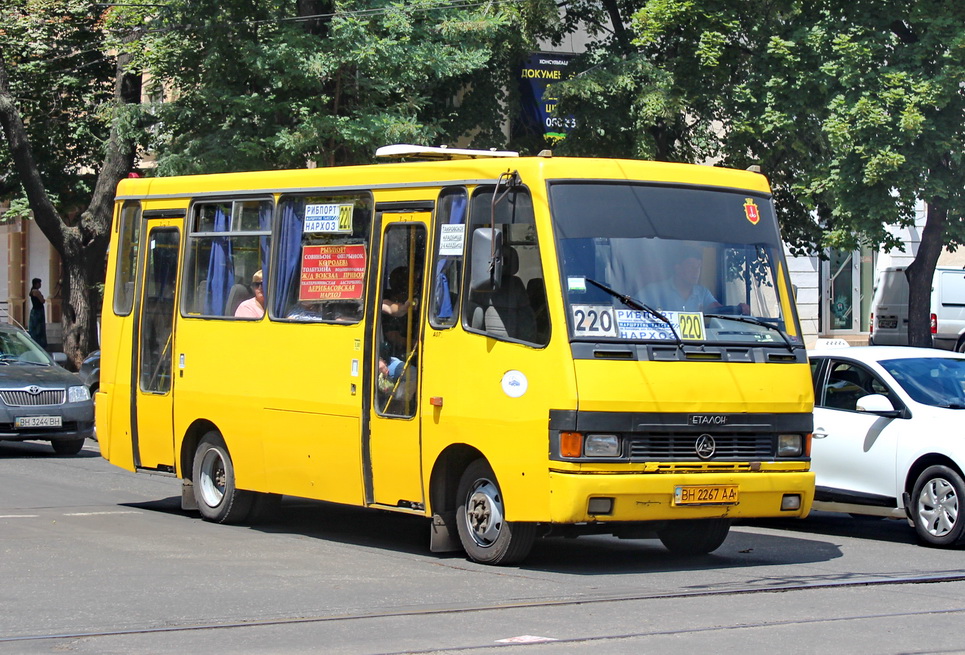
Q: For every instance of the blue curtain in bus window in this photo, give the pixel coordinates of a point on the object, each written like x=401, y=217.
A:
x=443, y=299
x=264, y=223
x=289, y=250
x=220, y=268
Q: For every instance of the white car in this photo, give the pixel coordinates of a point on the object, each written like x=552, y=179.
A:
x=888, y=436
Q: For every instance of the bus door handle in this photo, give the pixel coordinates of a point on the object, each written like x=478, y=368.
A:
x=819, y=433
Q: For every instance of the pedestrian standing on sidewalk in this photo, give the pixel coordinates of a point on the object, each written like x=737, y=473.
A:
x=37, y=324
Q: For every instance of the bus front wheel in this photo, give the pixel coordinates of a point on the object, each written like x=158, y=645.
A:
x=218, y=499
x=485, y=534
x=694, y=536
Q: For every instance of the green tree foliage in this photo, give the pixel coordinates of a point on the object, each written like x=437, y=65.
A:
x=855, y=110
x=63, y=85
x=247, y=84
x=64, y=152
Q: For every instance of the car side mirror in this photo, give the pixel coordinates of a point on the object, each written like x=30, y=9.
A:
x=59, y=358
x=877, y=403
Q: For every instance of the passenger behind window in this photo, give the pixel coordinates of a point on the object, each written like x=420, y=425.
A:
x=253, y=307
x=395, y=307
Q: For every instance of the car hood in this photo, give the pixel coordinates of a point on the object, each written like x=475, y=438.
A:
x=16, y=376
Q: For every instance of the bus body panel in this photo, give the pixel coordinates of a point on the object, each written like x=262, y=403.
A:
x=510, y=432
x=290, y=422
x=694, y=386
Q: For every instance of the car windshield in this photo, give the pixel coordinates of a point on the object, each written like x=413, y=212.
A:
x=652, y=263
x=18, y=348
x=936, y=381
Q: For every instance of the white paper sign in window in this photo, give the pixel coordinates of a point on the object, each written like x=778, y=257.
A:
x=451, y=238
x=331, y=219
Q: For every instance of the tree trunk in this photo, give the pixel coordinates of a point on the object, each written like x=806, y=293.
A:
x=920, y=273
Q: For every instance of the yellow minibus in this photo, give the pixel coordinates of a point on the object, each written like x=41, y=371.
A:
x=512, y=347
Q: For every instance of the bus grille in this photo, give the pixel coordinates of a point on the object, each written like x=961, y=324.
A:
x=27, y=399
x=682, y=446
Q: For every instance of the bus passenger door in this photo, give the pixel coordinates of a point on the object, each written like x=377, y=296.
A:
x=153, y=405
x=393, y=452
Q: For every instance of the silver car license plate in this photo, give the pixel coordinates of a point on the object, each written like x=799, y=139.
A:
x=38, y=422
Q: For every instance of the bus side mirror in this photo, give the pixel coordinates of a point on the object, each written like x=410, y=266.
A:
x=486, y=259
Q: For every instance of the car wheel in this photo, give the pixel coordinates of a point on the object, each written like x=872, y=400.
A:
x=68, y=446
x=937, y=501
x=218, y=499
x=694, y=537
x=485, y=535
x=961, y=346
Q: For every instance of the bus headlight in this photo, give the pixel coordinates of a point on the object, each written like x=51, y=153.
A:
x=790, y=445
x=77, y=394
x=601, y=445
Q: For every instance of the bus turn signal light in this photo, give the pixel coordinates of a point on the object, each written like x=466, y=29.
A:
x=571, y=444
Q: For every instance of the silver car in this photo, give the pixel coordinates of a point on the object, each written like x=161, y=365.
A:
x=39, y=400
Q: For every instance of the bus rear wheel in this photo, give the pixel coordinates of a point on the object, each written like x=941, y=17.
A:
x=485, y=534
x=219, y=501
x=694, y=537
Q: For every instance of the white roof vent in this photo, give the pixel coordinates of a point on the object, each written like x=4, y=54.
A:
x=406, y=151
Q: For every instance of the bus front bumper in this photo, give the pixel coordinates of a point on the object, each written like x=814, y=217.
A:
x=633, y=497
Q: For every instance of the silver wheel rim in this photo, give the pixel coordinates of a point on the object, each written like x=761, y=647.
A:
x=938, y=507
x=484, y=513
x=213, y=477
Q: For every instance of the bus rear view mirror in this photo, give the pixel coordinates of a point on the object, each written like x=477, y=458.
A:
x=487, y=259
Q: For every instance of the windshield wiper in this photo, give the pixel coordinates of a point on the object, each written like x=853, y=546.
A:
x=633, y=303
x=753, y=320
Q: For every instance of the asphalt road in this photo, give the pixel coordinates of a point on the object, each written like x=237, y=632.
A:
x=95, y=559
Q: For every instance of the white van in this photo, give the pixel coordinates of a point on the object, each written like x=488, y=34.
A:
x=889, y=308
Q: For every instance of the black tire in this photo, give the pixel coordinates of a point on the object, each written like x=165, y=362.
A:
x=68, y=446
x=937, y=501
x=694, y=536
x=486, y=536
x=219, y=501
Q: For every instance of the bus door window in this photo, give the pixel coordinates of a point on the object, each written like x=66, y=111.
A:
x=322, y=244
x=399, y=331
x=447, y=268
x=507, y=297
x=126, y=271
x=227, y=245
x=157, y=311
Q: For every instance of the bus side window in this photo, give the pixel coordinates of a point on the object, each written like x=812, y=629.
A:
x=506, y=300
x=447, y=266
x=227, y=244
x=323, y=253
x=130, y=225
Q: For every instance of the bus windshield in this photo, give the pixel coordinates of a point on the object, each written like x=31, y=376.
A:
x=681, y=264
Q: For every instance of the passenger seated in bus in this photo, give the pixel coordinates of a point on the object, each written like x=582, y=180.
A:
x=253, y=307
x=682, y=291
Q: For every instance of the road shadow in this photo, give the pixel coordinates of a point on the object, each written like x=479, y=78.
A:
x=43, y=449
x=587, y=555
x=832, y=524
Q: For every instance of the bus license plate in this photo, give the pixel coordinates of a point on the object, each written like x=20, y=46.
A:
x=38, y=422
x=724, y=494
